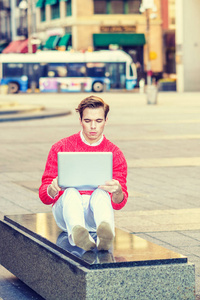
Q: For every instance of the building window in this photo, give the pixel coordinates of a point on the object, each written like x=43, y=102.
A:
x=13, y=69
x=43, y=14
x=68, y=8
x=5, y=21
x=117, y=6
x=133, y=6
x=55, y=11
x=100, y=7
x=172, y=13
x=57, y=70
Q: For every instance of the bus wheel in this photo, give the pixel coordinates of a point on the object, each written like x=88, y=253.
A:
x=13, y=88
x=97, y=86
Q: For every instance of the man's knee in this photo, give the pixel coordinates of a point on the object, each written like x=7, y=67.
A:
x=70, y=194
x=100, y=195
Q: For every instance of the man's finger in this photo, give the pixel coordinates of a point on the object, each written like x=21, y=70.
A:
x=112, y=182
x=55, y=184
x=108, y=188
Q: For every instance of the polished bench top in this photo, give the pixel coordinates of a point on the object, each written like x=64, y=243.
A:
x=127, y=250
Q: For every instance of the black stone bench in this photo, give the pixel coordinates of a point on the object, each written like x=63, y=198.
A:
x=34, y=249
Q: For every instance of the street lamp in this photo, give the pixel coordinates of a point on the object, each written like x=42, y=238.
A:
x=145, y=6
x=26, y=5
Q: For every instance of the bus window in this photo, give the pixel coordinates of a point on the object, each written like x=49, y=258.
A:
x=76, y=70
x=32, y=70
x=96, y=69
x=122, y=72
x=131, y=71
x=57, y=70
x=43, y=70
x=117, y=73
x=13, y=70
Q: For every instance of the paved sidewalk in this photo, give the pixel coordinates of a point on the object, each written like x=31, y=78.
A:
x=162, y=146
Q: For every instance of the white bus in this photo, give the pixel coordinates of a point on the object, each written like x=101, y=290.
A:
x=68, y=71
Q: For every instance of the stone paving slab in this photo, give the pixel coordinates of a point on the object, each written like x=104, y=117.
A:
x=164, y=162
x=159, y=220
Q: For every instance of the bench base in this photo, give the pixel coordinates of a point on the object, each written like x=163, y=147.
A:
x=56, y=273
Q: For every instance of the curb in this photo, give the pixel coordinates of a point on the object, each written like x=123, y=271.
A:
x=35, y=116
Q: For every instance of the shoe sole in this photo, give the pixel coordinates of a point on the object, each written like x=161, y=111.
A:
x=105, y=235
x=81, y=238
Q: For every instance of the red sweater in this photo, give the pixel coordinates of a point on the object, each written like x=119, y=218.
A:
x=75, y=144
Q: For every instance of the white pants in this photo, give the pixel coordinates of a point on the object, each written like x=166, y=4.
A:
x=89, y=211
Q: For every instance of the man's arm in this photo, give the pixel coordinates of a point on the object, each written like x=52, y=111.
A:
x=49, y=176
x=117, y=186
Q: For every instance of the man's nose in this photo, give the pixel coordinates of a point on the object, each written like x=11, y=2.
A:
x=93, y=124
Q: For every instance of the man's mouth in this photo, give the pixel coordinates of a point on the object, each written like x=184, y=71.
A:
x=92, y=133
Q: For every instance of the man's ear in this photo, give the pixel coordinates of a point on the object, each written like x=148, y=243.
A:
x=106, y=120
x=80, y=121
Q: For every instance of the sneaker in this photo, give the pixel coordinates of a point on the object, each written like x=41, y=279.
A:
x=104, y=236
x=82, y=238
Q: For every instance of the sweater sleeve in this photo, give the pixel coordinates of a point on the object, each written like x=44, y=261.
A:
x=50, y=172
x=120, y=174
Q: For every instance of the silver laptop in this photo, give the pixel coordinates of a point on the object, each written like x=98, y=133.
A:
x=84, y=170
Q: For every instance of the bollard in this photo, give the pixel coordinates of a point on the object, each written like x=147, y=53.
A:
x=4, y=89
x=142, y=85
x=152, y=93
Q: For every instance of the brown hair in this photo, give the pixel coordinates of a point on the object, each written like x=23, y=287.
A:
x=92, y=102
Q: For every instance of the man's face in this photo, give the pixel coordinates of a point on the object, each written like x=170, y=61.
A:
x=93, y=123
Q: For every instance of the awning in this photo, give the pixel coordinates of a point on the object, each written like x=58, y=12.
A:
x=12, y=47
x=122, y=39
x=50, y=2
x=64, y=40
x=23, y=47
x=20, y=46
x=52, y=42
x=40, y=3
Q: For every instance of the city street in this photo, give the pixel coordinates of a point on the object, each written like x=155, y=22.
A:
x=161, y=144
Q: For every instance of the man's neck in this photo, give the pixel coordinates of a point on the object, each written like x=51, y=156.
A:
x=96, y=143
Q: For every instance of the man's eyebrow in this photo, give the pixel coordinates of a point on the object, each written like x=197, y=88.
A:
x=88, y=119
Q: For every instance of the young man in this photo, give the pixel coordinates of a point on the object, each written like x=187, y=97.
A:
x=79, y=212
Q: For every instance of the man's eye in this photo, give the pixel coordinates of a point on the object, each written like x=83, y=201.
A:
x=87, y=121
x=99, y=121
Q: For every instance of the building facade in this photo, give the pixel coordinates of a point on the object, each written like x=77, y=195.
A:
x=102, y=24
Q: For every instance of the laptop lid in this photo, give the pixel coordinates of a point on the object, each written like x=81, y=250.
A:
x=84, y=170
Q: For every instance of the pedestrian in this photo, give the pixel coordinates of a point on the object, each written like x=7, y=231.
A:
x=80, y=212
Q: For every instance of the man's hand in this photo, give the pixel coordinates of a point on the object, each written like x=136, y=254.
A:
x=53, y=189
x=115, y=188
